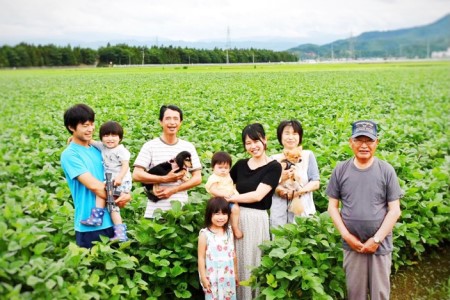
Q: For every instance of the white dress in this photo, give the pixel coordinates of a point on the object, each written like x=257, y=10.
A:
x=220, y=265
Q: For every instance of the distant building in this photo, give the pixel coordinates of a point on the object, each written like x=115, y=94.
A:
x=441, y=54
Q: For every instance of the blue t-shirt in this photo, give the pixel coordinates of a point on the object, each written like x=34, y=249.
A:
x=75, y=161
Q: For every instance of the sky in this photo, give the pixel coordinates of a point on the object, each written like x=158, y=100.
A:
x=86, y=22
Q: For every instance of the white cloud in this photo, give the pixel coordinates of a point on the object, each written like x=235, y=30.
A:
x=194, y=20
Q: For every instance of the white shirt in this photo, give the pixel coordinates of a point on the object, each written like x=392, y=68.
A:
x=157, y=151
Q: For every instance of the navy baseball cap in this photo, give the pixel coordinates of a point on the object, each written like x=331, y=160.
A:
x=366, y=128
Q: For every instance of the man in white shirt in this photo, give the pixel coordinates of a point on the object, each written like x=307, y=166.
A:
x=163, y=149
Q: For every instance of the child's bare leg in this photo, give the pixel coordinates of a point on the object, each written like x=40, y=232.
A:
x=120, y=229
x=115, y=210
x=235, y=211
x=99, y=202
x=115, y=216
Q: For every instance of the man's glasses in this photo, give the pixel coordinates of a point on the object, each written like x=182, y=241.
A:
x=359, y=142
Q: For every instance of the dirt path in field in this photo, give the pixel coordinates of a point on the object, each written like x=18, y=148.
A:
x=429, y=279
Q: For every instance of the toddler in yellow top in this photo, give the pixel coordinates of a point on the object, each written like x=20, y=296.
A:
x=220, y=184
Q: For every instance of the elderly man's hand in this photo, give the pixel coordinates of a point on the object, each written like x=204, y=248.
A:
x=370, y=246
x=354, y=242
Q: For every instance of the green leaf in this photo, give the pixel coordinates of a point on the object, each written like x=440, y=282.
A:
x=184, y=294
x=188, y=227
x=40, y=248
x=325, y=243
x=277, y=253
x=271, y=280
x=267, y=262
x=118, y=289
x=50, y=284
x=93, y=279
x=33, y=280
x=110, y=265
x=13, y=246
x=176, y=271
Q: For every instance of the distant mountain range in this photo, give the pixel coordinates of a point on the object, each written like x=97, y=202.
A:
x=413, y=42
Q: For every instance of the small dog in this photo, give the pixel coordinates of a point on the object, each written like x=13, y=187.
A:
x=292, y=184
x=181, y=163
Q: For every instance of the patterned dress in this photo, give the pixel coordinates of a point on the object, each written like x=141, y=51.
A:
x=220, y=265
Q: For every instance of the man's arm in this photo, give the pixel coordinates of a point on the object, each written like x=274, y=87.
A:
x=98, y=188
x=386, y=227
x=166, y=192
x=140, y=175
x=93, y=184
x=333, y=211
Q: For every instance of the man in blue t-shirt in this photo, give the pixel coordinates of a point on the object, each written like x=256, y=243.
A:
x=83, y=167
x=369, y=192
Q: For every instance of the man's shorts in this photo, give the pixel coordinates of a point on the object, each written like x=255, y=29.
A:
x=85, y=239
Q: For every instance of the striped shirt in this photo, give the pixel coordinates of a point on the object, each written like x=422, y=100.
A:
x=157, y=151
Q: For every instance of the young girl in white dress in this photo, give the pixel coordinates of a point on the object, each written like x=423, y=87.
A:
x=217, y=263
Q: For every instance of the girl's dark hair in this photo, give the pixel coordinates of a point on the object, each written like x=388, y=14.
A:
x=111, y=127
x=215, y=205
x=296, y=125
x=220, y=158
x=255, y=132
x=163, y=109
x=78, y=114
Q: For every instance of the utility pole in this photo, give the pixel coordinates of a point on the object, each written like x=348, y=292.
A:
x=351, y=46
x=143, y=55
x=332, y=52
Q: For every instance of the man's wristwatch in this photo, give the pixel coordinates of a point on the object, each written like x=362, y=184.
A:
x=376, y=240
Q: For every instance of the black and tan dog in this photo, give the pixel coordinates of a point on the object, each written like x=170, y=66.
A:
x=181, y=163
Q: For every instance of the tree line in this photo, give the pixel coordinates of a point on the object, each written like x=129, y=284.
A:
x=27, y=55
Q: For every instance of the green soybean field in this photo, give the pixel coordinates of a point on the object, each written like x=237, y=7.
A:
x=38, y=257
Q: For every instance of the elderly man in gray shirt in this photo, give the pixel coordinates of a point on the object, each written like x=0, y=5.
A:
x=369, y=193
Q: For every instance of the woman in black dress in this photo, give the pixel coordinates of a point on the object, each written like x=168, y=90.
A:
x=256, y=179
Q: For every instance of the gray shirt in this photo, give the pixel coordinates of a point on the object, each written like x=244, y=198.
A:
x=365, y=194
x=112, y=159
